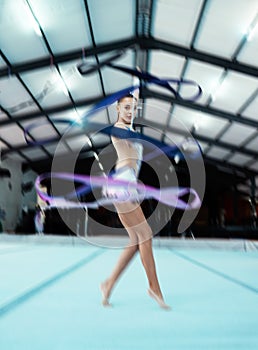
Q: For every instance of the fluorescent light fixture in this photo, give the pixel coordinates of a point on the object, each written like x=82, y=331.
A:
x=89, y=142
x=60, y=83
x=78, y=117
x=251, y=32
x=196, y=126
x=176, y=158
x=96, y=156
x=217, y=88
x=251, y=29
x=32, y=19
x=64, y=88
x=101, y=167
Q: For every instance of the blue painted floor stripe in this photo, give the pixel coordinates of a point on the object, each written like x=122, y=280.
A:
x=216, y=272
x=10, y=305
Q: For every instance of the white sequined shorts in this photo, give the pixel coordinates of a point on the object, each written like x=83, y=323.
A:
x=126, y=192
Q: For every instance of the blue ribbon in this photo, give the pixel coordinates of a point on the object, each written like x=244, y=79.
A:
x=106, y=101
x=170, y=150
x=85, y=69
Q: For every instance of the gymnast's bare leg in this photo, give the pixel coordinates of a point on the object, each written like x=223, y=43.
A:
x=140, y=234
x=124, y=259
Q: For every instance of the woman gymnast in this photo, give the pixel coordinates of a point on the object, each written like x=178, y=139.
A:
x=129, y=156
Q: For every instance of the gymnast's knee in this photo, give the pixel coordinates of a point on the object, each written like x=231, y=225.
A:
x=144, y=235
x=135, y=247
x=133, y=238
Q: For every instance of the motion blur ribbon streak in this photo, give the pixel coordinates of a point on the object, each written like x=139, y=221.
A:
x=170, y=195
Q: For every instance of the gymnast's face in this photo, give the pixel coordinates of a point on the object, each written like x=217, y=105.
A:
x=126, y=110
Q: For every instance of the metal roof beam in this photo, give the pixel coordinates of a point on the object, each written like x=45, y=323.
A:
x=51, y=110
x=201, y=138
x=65, y=57
x=154, y=44
x=201, y=108
x=146, y=43
x=146, y=94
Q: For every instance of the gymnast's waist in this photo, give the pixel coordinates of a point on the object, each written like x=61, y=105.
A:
x=125, y=173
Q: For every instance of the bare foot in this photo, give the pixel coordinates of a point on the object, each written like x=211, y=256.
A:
x=105, y=294
x=159, y=300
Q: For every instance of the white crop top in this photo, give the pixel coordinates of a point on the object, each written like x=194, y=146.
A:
x=129, y=152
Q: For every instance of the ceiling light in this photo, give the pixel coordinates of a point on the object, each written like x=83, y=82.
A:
x=195, y=126
x=177, y=158
x=60, y=82
x=217, y=88
x=32, y=19
x=101, y=167
x=89, y=142
x=251, y=32
x=251, y=29
x=63, y=86
x=95, y=155
x=78, y=117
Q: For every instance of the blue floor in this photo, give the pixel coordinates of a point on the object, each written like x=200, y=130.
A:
x=50, y=299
